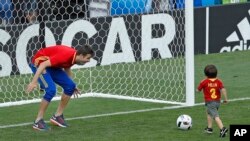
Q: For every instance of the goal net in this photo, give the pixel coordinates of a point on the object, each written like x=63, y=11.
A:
x=141, y=50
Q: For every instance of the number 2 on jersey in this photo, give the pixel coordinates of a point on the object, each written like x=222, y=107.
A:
x=213, y=93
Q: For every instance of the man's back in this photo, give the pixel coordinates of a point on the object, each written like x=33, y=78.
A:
x=60, y=56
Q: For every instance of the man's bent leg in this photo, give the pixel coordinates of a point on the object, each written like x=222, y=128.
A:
x=43, y=107
x=61, y=78
x=63, y=103
x=58, y=118
x=50, y=91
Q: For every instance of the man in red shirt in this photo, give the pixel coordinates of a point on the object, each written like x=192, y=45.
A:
x=212, y=89
x=51, y=66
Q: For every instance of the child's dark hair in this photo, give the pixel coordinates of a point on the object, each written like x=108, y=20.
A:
x=210, y=71
x=84, y=50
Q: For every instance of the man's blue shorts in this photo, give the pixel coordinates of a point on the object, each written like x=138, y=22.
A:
x=50, y=78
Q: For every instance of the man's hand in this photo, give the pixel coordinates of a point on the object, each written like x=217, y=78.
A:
x=31, y=87
x=76, y=93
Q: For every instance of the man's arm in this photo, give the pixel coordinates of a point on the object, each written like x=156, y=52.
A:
x=40, y=69
x=68, y=71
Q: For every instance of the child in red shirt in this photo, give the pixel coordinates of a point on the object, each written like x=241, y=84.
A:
x=212, y=89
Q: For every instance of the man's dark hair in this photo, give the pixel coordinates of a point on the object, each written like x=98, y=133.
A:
x=210, y=71
x=84, y=50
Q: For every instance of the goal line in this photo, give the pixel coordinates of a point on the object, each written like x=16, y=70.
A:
x=101, y=95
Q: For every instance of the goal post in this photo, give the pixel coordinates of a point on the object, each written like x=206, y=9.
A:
x=143, y=49
x=189, y=41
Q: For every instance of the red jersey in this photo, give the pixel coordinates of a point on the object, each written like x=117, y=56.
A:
x=211, y=89
x=60, y=56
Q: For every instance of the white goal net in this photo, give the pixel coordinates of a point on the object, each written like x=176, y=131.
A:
x=140, y=47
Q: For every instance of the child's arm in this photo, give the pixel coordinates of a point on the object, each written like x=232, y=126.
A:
x=224, y=93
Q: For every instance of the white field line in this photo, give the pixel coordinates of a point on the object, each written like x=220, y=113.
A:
x=118, y=113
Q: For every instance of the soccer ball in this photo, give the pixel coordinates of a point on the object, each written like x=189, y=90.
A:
x=184, y=122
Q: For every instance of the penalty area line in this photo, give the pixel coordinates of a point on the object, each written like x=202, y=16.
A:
x=117, y=113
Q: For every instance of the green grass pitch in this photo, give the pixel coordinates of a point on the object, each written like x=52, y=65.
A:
x=101, y=119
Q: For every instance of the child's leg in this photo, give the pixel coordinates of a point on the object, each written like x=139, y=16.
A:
x=209, y=112
x=218, y=122
x=209, y=121
x=209, y=128
x=213, y=112
x=223, y=130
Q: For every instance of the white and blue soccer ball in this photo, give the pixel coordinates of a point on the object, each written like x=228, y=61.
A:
x=184, y=122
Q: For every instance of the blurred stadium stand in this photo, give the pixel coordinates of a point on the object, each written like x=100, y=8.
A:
x=233, y=1
x=65, y=9
x=99, y=8
x=6, y=10
x=127, y=6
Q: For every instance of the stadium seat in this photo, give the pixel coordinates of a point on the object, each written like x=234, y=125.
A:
x=127, y=6
x=180, y=3
x=209, y=2
x=6, y=9
x=198, y=3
